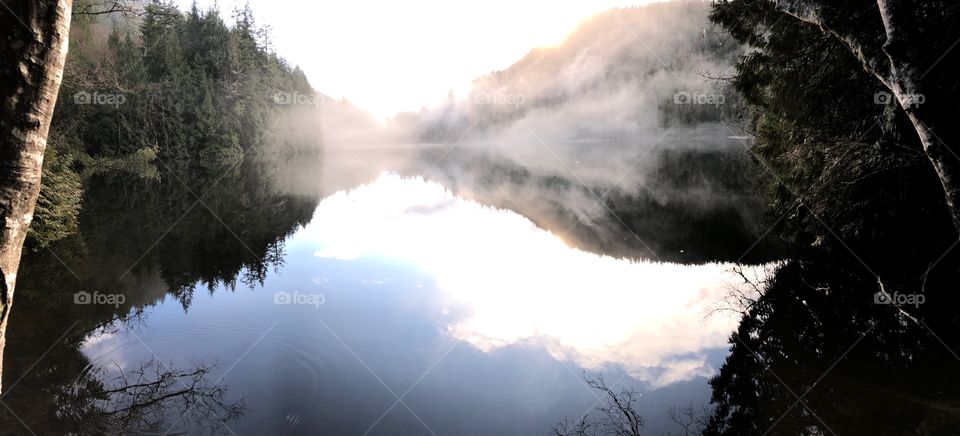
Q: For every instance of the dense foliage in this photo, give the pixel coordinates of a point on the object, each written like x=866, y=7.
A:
x=815, y=355
x=164, y=85
x=822, y=349
x=844, y=162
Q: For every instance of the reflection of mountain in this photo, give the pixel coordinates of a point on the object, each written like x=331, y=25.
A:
x=140, y=238
x=599, y=140
x=693, y=206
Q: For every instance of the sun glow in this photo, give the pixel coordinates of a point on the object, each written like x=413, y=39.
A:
x=389, y=56
x=515, y=283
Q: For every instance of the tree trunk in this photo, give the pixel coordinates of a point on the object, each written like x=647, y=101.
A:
x=933, y=109
x=33, y=50
x=937, y=135
x=916, y=63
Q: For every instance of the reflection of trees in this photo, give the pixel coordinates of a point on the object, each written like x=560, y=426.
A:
x=816, y=355
x=53, y=387
x=139, y=399
x=235, y=230
x=690, y=420
x=618, y=416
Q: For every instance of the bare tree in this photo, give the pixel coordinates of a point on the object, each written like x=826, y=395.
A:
x=128, y=8
x=33, y=52
x=105, y=7
x=617, y=417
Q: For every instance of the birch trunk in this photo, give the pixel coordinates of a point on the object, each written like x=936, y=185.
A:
x=910, y=80
x=914, y=72
x=33, y=50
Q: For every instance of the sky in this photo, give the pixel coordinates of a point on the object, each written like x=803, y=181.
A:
x=389, y=56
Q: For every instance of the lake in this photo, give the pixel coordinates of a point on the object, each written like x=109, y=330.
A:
x=392, y=306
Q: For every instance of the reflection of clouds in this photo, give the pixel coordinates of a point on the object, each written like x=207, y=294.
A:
x=516, y=283
x=106, y=349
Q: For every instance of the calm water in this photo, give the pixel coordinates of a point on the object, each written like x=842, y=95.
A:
x=310, y=297
x=392, y=307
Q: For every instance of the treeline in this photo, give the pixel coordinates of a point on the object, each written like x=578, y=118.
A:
x=163, y=84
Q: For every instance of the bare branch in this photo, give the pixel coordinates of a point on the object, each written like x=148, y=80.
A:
x=692, y=421
x=142, y=398
x=618, y=417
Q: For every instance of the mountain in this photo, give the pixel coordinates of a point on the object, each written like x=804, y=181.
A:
x=620, y=139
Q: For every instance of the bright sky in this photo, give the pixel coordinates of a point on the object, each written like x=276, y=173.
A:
x=388, y=56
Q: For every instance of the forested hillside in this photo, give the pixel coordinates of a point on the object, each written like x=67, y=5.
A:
x=163, y=84
x=615, y=74
x=619, y=140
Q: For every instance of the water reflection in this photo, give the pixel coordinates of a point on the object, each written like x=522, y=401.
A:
x=509, y=282
x=423, y=292
x=818, y=355
x=144, y=240
x=477, y=318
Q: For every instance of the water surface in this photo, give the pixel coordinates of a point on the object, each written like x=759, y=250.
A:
x=399, y=308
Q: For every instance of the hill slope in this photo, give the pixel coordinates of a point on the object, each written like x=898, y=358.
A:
x=615, y=139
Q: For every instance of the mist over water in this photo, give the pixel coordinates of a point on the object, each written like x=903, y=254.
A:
x=619, y=140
